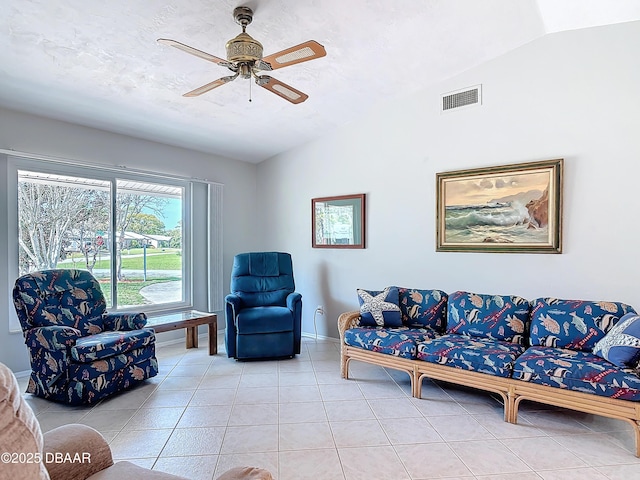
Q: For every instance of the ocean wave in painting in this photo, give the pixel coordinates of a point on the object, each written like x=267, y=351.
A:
x=499, y=222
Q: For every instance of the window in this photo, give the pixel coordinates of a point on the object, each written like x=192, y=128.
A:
x=129, y=232
x=166, y=231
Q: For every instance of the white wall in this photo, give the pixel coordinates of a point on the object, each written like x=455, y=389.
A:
x=29, y=133
x=572, y=95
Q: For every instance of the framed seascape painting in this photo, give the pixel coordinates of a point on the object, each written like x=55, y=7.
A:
x=511, y=208
x=338, y=222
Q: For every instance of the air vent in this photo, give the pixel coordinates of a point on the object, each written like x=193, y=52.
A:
x=466, y=97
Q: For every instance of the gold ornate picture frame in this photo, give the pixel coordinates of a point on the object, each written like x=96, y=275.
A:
x=513, y=208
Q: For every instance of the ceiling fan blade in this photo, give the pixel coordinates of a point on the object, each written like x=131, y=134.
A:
x=300, y=53
x=195, y=51
x=210, y=86
x=281, y=89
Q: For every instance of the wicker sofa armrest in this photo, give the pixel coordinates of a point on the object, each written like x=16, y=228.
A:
x=346, y=321
x=86, y=446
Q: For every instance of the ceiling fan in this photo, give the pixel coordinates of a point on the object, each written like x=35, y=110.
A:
x=244, y=59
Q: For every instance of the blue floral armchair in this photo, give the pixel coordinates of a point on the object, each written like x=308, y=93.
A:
x=80, y=353
x=263, y=312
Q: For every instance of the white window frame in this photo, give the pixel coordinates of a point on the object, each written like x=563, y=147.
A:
x=108, y=174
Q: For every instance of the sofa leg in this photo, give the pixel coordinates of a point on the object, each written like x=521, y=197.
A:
x=514, y=409
x=344, y=366
x=637, y=435
x=416, y=382
x=510, y=407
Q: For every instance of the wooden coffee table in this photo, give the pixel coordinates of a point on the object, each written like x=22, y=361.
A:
x=190, y=320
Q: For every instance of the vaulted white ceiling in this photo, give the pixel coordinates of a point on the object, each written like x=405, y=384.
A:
x=97, y=63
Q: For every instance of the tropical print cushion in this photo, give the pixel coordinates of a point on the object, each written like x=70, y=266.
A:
x=64, y=297
x=577, y=370
x=621, y=345
x=379, y=309
x=108, y=344
x=124, y=321
x=399, y=342
x=497, y=317
x=469, y=353
x=573, y=324
x=423, y=308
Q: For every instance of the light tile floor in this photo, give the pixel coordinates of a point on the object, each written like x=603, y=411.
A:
x=297, y=418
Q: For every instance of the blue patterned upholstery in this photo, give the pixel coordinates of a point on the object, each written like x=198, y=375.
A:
x=488, y=334
x=79, y=353
x=423, y=308
x=399, y=342
x=109, y=344
x=577, y=370
x=471, y=353
x=263, y=311
x=574, y=324
x=497, y=317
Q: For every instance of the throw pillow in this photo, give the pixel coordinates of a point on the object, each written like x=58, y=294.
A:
x=573, y=324
x=423, y=308
x=621, y=345
x=498, y=317
x=379, y=309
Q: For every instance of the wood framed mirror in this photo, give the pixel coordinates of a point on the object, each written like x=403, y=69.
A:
x=338, y=222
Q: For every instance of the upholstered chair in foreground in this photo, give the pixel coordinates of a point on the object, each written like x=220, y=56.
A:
x=263, y=311
x=80, y=353
x=70, y=452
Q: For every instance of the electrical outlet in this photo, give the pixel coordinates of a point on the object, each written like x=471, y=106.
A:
x=320, y=309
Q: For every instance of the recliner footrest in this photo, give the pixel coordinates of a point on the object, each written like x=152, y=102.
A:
x=109, y=344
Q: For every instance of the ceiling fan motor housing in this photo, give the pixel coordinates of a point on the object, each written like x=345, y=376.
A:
x=244, y=48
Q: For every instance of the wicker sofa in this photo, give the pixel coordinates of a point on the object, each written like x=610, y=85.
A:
x=546, y=350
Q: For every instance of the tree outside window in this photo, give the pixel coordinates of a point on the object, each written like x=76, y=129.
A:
x=66, y=222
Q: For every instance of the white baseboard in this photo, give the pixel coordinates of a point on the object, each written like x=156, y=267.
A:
x=320, y=337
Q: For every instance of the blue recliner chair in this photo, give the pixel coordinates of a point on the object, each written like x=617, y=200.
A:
x=263, y=311
x=80, y=353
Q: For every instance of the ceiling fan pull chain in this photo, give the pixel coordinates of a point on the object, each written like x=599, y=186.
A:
x=250, y=82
